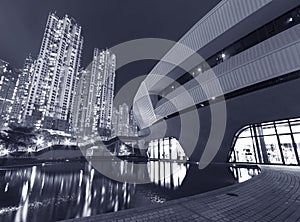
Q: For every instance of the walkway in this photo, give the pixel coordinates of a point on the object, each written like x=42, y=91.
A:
x=274, y=195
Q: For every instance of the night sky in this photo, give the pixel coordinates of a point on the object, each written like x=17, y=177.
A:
x=105, y=23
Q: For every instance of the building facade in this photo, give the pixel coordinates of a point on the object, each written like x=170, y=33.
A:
x=8, y=81
x=133, y=128
x=22, y=91
x=51, y=95
x=115, y=121
x=123, y=121
x=275, y=142
x=251, y=64
x=95, y=97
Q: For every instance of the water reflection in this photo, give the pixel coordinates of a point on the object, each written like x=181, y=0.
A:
x=242, y=174
x=58, y=192
x=52, y=192
x=167, y=174
x=62, y=191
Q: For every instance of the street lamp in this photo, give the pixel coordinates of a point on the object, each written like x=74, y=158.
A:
x=29, y=150
x=5, y=152
x=67, y=142
x=39, y=141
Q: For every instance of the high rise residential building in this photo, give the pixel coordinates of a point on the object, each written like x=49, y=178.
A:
x=123, y=122
x=8, y=79
x=4, y=67
x=52, y=92
x=106, y=64
x=133, y=128
x=115, y=122
x=79, y=103
x=95, y=96
x=22, y=91
x=123, y=126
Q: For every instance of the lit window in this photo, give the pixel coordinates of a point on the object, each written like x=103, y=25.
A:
x=271, y=143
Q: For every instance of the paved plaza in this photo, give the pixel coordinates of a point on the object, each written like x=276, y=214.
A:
x=273, y=195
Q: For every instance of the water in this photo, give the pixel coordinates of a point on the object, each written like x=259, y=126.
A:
x=58, y=191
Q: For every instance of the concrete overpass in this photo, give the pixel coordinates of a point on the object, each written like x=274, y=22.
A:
x=248, y=73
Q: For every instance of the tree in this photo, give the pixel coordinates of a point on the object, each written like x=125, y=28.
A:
x=17, y=136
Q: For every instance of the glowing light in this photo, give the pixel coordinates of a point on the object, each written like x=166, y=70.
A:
x=39, y=141
x=6, y=187
x=199, y=70
x=5, y=151
x=30, y=150
x=67, y=142
x=213, y=98
x=223, y=56
x=290, y=19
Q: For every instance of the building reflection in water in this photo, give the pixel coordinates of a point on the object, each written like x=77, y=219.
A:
x=167, y=174
x=166, y=165
x=59, y=192
x=76, y=189
x=242, y=174
x=73, y=190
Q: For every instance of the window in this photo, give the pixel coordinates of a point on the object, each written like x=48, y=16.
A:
x=166, y=149
x=263, y=33
x=271, y=143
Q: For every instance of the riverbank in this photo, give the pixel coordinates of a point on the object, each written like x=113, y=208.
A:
x=273, y=195
x=15, y=163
